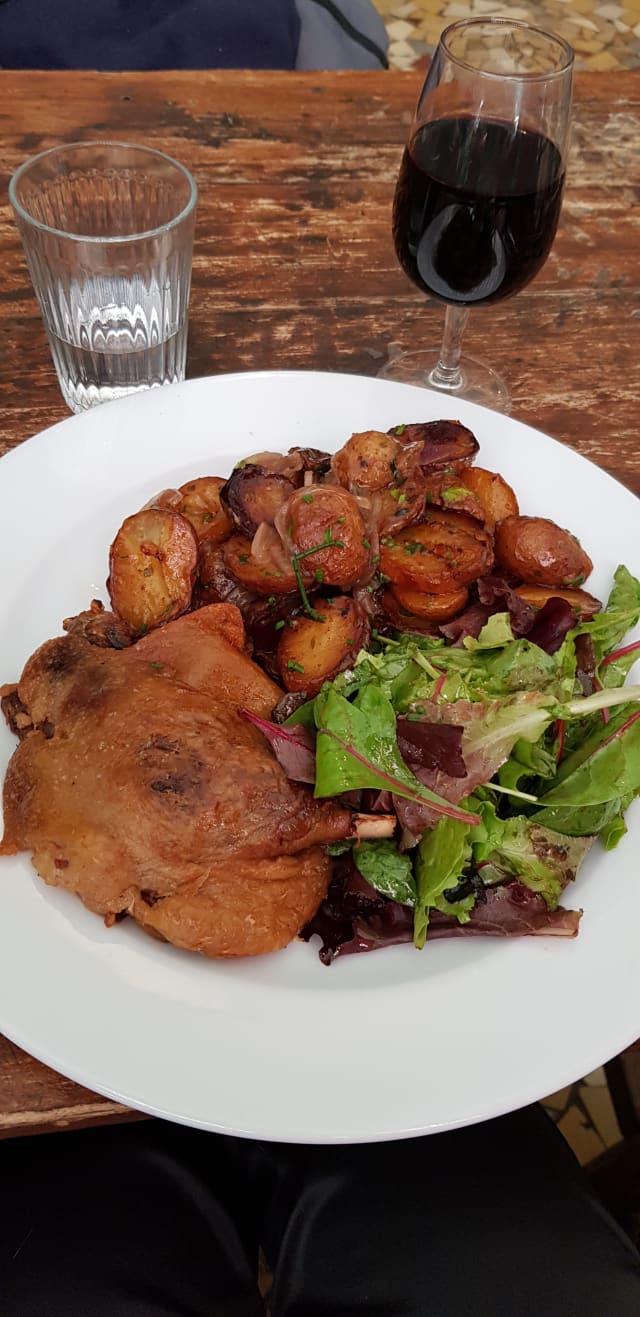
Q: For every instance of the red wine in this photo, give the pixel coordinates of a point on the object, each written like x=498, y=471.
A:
x=476, y=208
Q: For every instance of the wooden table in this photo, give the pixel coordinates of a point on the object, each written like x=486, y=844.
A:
x=294, y=267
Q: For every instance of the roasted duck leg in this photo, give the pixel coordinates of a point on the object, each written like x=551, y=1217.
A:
x=140, y=788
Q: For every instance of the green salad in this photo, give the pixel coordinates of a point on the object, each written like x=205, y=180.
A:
x=500, y=761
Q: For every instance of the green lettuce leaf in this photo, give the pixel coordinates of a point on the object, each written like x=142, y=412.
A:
x=581, y=821
x=386, y=869
x=441, y=858
x=495, y=633
x=605, y=768
x=616, y=666
x=541, y=859
x=614, y=830
x=357, y=747
x=622, y=613
x=527, y=761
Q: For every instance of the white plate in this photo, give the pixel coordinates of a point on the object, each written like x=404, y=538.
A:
x=377, y=1046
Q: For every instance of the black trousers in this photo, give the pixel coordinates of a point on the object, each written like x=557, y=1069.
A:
x=151, y=1220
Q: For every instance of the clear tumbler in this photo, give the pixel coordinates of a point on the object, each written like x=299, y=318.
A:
x=107, y=229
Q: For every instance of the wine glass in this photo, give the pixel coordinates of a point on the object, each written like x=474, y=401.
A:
x=480, y=186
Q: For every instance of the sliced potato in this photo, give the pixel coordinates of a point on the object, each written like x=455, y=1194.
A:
x=397, y=505
x=433, y=607
x=152, y=568
x=585, y=604
x=443, y=443
x=312, y=459
x=437, y=555
x=312, y=652
x=538, y=552
x=325, y=527
x=444, y=489
x=371, y=460
x=200, y=504
x=497, y=499
x=253, y=495
x=215, y=583
x=402, y=620
x=167, y=498
x=259, y=575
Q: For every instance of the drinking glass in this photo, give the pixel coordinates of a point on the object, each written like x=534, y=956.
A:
x=480, y=186
x=107, y=229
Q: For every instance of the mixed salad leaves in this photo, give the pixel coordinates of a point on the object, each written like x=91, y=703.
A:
x=503, y=749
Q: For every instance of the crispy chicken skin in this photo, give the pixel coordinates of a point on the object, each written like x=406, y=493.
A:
x=141, y=789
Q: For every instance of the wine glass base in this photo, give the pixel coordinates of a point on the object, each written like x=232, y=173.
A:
x=478, y=383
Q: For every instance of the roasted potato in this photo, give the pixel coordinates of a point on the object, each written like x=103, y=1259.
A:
x=200, y=504
x=215, y=583
x=387, y=473
x=266, y=572
x=437, y=555
x=167, y=498
x=312, y=652
x=497, y=499
x=443, y=489
x=289, y=464
x=538, y=552
x=444, y=443
x=253, y=494
x=432, y=607
x=400, y=619
x=312, y=459
x=373, y=460
x=152, y=568
x=323, y=526
x=585, y=604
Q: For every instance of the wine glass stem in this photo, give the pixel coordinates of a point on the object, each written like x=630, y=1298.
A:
x=447, y=373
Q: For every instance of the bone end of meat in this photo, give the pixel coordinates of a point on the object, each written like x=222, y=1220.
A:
x=374, y=827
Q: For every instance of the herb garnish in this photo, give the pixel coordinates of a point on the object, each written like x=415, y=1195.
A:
x=327, y=543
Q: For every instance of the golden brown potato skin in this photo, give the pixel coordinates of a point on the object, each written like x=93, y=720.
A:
x=260, y=576
x=201, y=505
x=312, y=652
x=371, y=460
x=438, y=555
x=387, y=473
x=432, y=607
x=152, y=568
x=322, y=512
x=538, y=552
x=497, y=499
x=585, y=604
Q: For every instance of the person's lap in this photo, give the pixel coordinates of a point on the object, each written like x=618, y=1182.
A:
x=150, y=1220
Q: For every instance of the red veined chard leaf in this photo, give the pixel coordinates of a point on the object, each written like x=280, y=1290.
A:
x=357, y=747
x=294, y=747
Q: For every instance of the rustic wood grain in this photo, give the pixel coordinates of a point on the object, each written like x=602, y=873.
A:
x=294, y=267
